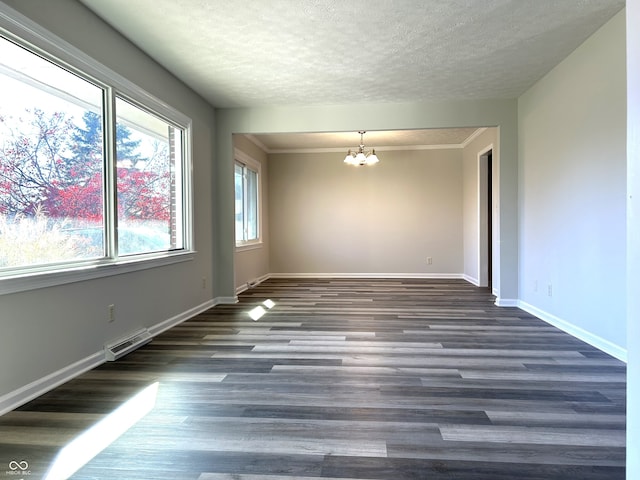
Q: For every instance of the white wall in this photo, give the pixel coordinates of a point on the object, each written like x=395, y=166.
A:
x=330, y=218
x=46, y=330
x=633, y=239
x=572, y=155
x=253, y=263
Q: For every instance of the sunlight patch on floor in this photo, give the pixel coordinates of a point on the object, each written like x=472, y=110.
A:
x=87, y=445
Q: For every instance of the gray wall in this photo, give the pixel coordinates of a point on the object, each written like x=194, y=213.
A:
x=252, y=263
x=330, y=218
x=46, y=330
x=572, y=153
x=73, y=317
x=327, y=218
x=502, y=113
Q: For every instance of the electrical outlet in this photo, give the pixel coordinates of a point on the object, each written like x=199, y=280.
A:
x=204, y=282
x=535, y=286
x=429, y=260
x=550, y=290
x=111, y=309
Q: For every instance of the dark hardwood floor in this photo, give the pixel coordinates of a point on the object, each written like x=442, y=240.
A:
x=344, y=379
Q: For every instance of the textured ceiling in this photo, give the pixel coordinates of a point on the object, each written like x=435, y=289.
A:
x=310, y=52
x=251, y=53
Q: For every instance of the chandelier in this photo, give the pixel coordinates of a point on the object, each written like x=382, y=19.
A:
x=360, y=157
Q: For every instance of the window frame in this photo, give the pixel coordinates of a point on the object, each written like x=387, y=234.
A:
x=24, y=32
x=241, y=158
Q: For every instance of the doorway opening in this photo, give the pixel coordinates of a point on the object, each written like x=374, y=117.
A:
x=485, y=217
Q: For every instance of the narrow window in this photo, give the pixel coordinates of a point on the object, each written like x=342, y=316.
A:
x=247, y=203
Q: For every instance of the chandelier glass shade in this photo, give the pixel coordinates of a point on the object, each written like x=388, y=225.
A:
x=360, y=157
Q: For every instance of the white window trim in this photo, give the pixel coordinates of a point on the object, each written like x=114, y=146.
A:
x=241, y=157
x=80, y=273
x=25, y=31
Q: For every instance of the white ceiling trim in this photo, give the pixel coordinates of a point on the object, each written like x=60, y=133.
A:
x=380, y=148
x=473, y=136
x=257, y=143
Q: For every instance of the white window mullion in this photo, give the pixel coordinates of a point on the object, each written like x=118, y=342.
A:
x=110, y=176
x=245, y=205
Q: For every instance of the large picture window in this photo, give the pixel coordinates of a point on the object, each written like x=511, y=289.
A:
x=247, y=202
x=88, y=174
x=51, y=162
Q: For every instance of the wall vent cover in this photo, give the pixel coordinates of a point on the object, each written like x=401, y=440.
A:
x=119, y=348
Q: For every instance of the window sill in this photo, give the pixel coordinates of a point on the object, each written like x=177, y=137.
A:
x=82, y=273
x=248, y=246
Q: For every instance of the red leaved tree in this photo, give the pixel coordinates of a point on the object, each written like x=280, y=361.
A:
x=50, y=165
x=32, y=160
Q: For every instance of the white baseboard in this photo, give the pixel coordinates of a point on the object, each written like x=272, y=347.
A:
x=575, y=331
x=445, y=276
x=158, y=328
x=25, y=394
x=506, y=302
x=252, y=283
x=22, y=395
x=225, y=300
x=472, y=280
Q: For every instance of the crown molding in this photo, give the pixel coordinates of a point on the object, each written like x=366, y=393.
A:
x=253, y=139
x=473, y=136
x=379, y=148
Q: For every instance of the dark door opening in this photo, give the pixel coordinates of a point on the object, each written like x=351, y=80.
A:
x=489, y=218
x=485, y=219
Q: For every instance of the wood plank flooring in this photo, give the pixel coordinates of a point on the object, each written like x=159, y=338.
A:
x=345, y=379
